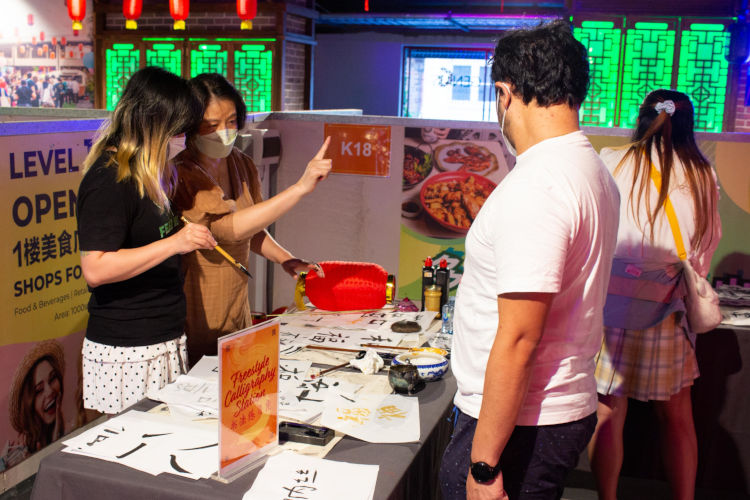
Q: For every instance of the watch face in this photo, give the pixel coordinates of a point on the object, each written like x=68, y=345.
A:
x=482, y=472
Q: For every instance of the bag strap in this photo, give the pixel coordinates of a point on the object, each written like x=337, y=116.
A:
x=671, y=215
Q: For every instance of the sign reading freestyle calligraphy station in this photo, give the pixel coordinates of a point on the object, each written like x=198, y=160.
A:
x=359, y=149
x=44, y=294
x=248, y=390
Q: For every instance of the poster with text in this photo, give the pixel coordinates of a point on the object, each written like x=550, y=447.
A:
x=447, y=176
x=44, y=296
x=248, y=390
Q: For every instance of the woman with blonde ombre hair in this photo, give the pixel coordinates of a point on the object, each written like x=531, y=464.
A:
x=648, y=352
x=131, y=243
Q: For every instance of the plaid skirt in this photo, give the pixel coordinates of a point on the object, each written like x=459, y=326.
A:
x=117, y=377
x=650, y=364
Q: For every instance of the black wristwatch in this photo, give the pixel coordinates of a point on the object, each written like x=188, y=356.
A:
x=482, y=472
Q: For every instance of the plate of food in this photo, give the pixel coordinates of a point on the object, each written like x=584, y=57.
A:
x=453, y=199
x=464, y=156
x=417, y=166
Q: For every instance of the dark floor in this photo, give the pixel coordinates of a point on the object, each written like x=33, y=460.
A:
x=579, y=486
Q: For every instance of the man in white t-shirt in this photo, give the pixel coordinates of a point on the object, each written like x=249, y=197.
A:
x=528, y=318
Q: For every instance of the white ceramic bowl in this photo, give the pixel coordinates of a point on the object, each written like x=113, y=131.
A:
x=430, y=366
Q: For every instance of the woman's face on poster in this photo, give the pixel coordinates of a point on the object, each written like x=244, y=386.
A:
x=47, y=391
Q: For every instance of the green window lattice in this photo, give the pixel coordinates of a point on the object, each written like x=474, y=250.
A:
x=647, y=65
x=123, y=59
x=208, y=58
x=703, y=73
x=166, y=56
x=253, y=76
x=602, y=41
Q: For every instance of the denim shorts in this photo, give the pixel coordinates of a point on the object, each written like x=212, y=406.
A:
x=534, y=463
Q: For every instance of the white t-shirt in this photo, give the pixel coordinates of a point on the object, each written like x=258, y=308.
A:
x=550, y=226
x=634, y=237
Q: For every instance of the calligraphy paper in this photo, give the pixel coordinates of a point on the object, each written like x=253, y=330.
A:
x=292, y=476
x=194, y=393
x=369, y=321
x=333, y=337
x=305, y=400
x=373, y=417
x=152, y=444
x=207, y=369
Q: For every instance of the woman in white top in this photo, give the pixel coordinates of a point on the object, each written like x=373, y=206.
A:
x=648, y=352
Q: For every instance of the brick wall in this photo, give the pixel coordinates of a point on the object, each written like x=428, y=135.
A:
x=295, y=83
x=742, y=112
x=198, y=20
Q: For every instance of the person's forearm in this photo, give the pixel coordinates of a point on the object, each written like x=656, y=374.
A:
x=100, y=268
x=505, y=384
x=247, y=222
x=263, y=244
x=521, y=322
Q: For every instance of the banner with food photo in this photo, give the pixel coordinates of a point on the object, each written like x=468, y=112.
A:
x=448, y=173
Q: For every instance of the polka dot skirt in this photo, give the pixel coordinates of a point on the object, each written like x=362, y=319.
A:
x=117, y=377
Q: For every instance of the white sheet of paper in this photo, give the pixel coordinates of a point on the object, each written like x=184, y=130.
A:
x=207, y=369
x=192, y=392
x=152, y=444
x=305, y=401
x=289, y=475
x=369, y=321
x=292, y=373
x=373, y=417
x=301, y=335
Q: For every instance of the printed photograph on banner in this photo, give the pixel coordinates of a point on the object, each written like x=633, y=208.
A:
x=43, y=395
x=447, y=176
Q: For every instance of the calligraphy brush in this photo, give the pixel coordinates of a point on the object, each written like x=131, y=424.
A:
x=224, y=254
x=377, y=346
x=360, y=355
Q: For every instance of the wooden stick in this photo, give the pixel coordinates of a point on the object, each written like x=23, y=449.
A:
x=324, y=348
x=376, y=346
x=328, y=370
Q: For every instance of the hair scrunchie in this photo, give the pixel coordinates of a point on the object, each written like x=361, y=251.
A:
x=666, y=106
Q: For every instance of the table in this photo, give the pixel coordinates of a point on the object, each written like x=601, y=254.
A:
x=407, y=471
x=721, y=410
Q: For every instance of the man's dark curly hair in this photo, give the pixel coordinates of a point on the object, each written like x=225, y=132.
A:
x=545, y=63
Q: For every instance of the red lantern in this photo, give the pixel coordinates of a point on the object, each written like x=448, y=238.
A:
x=30, y=19
x=71, y=53
x=33, y=40
x=80, y=47
x=77, y=11
x=51, y=55
x=131, y=9
x=39, y=52
x=63, y=41
x=41, y=35
x=45, y=48
x=54, y=40
x=179, y=10
x=247, y=10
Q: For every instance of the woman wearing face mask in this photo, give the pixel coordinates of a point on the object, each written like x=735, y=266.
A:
x=131, y=244
x=219, y=188
x=35, y=402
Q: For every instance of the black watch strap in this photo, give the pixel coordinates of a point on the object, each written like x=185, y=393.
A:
x=483, y=472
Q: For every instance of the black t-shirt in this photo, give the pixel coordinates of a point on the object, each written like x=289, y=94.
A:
x=148, y=308
x=24, y=95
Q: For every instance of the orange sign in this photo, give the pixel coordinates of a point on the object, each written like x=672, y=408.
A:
x=249, y=386
x=359, y=149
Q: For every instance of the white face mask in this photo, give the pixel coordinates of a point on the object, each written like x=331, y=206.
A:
x=508, y=145
x=217, y=144
x=176, y=146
